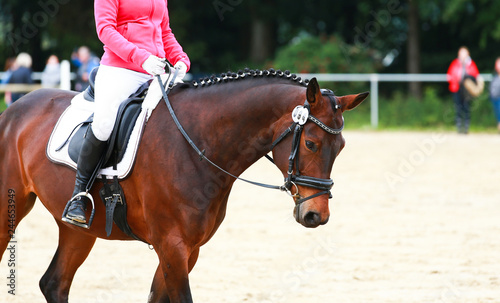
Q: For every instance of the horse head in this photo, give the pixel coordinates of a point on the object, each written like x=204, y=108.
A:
x=316, y=142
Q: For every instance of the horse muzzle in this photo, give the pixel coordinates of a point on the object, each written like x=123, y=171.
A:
x=313, y=212
x=310, y=210
x=309, y=216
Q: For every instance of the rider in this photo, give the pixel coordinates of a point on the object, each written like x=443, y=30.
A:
x=136, y=37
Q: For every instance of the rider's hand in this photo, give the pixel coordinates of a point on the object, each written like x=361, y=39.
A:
x=182, y=67
x=154, y=65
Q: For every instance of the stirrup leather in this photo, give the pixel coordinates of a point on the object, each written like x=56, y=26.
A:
x=68, y=220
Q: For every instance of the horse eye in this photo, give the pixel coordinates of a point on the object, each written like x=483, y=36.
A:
x=310, y=145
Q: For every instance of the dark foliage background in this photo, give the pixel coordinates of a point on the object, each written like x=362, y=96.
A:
x=385, y=36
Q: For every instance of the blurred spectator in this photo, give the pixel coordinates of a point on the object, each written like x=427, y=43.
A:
x=460, y=69
x=20, y=75
x=51, y=75
x=495, y=91
x=85, y=61
x=9, y=67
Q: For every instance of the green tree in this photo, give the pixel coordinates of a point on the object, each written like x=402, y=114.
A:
x=326, y=54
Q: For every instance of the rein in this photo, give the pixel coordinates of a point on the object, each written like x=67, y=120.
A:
x=300, y=115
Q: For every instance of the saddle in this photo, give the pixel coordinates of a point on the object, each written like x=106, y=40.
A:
x=128, y=112
x=67, y=137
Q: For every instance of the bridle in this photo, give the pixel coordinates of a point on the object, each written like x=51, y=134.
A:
x=300, y=115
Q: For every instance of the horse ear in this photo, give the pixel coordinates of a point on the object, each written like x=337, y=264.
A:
x=313, y=91
x=351, y=101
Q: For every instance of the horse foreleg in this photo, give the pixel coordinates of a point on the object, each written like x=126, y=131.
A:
x=73, y=249
x=159, y=291
x=158, y=288
x=174, y=259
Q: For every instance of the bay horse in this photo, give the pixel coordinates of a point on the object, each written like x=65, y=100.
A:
x=176, y=201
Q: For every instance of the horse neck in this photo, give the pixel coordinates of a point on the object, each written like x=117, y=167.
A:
x=243, y=119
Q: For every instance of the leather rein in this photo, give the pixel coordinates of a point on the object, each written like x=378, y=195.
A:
x=300, y=115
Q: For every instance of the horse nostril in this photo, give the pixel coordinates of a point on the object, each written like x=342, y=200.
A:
x=312, y=218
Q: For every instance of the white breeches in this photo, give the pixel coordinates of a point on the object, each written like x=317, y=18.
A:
x=113, y=85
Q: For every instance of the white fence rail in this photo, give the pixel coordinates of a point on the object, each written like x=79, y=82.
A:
x=374, y=79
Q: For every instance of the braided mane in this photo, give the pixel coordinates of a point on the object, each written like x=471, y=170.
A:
x=248, y=73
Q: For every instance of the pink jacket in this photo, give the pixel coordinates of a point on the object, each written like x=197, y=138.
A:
x=455, y=73
x=132, y=30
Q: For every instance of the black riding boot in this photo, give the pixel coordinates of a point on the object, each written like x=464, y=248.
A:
x=90, y=154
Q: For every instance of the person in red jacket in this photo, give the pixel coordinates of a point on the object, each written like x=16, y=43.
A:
x=137, y=40
x=459, y=69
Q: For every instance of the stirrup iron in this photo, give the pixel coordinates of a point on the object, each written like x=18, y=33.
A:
x=65, y=212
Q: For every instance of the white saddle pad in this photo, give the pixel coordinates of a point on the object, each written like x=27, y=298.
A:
x=80, y=110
